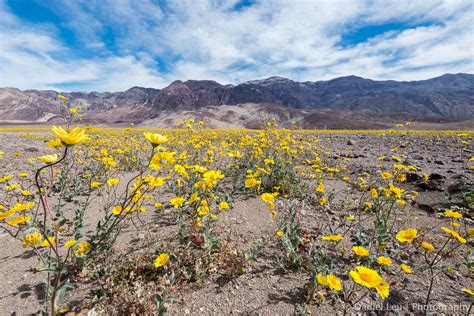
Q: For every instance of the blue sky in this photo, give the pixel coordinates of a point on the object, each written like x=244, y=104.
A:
x=112, y=45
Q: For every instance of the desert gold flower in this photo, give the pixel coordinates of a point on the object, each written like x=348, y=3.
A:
x=280, y=233
x=383, y=289
x=12, y=187
x=401, y=177
x=427, y=246
x=193, y=198
x=161, y=260
x=406, y=269
x=384, y=261
x=32, y=239
x=162, y=159
x=49, y=159
x=330, y=281
x=322, y=279
x=374, y=193
x=212, y=176
x=112, y=181
x=360, y=251
x=76, y=136
x=370, y=279
x=155, y=139
x=177, y=201
x=5, y=178
x=333, y=282
x=83, y=249
x=267, y=197
x=452, y=214
x=18, y=220
x=323, y=200
x=48, y=242
x=407, y=235
x=425, y=177
x=117, y=210
x=70, y=243
x=386, y=175
x=54, y=143
x=252, y=182
x=455, y=234
x=333, y=237
x=320, y=188
x=468, y=291
x=95, y=184
x=367, y=206
x=223, y=205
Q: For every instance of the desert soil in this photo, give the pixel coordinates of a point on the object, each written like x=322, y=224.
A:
x=264, y=288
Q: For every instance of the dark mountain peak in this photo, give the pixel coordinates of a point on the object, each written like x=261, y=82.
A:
x=202, y=84
x=351, y=78
x=270, y=81
x=136, y=88
x=175, y=83
x=451, y=80
x=458, y=75
x=175, y=87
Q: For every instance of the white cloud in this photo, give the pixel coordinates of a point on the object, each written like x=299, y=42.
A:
x=209, y=40
x=31, y=58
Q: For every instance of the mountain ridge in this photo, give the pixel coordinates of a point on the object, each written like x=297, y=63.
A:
x=449, y=95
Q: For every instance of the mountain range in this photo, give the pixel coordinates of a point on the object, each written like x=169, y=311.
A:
x=450, y=96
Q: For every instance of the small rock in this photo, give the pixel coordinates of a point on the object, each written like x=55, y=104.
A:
x=413, y=177
x=350, y=142
x=436, y=176
x=439, y=162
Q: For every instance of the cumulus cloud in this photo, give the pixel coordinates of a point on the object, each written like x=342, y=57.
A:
x=146, y=43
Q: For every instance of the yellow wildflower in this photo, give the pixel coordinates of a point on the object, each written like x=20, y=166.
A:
x=333, y=237
x=48, y=242
x=384, y=261
x=32, y=239
x=452, y=214
x=70, y=243
x=161, y=260
x=360, y=251
x=49, y=159
x=407, y=235
x=427, y=246
x=406, y=269
x=82, y=249
x=155, y=139
x=76, y=136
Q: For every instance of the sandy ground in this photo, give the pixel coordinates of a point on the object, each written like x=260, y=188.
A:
x=264, y=289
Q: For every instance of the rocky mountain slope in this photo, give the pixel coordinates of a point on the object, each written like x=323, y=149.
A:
x=450, y=95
